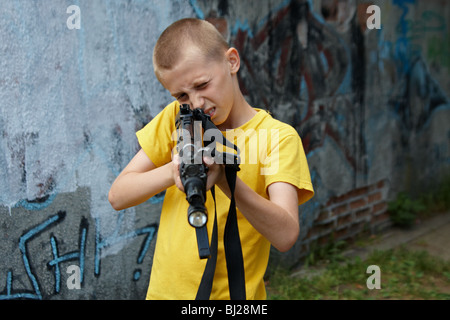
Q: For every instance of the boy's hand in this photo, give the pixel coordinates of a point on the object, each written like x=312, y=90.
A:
x=216, y=172
x=176, y=171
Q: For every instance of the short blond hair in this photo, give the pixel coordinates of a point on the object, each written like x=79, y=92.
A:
x=183, y=33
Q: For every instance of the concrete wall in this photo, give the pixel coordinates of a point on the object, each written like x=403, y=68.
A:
x=371, y=105
x=71, y=101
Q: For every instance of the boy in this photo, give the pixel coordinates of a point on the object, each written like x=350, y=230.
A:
x=195, y=64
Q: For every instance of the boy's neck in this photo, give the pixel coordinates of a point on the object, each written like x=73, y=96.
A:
x=241, y=113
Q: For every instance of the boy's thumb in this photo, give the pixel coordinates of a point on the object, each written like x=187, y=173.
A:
x=208, y=160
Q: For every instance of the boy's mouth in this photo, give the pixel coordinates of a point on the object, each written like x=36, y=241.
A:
x=211, y=111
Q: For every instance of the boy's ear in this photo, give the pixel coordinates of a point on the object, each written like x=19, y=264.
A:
x=233, y=59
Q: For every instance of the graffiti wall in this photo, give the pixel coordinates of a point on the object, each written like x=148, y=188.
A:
x=366, y=85
x=76, y=82
x=368, y=92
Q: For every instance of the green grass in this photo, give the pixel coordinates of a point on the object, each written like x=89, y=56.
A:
x=405, y=274
x=405, y=209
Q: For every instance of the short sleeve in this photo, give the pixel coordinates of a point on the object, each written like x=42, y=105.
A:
x=156, y=138
x=287, y=163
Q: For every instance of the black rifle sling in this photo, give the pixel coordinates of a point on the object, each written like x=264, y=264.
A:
x=232, y=242
x=204, y=290
x=202, y=242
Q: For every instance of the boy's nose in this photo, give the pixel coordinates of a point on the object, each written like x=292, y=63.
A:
x=197, y=102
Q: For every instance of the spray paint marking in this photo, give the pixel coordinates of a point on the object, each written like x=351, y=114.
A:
x=36, y=294
x=77, y=255
x=109, y=241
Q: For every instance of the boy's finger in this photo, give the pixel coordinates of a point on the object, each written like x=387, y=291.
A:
x=176, y=159
x=208, y=160
x=178, y=183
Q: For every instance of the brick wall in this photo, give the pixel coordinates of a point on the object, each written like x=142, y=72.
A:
x=346, y=216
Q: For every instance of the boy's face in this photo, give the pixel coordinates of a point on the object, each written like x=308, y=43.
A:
x=202, y=83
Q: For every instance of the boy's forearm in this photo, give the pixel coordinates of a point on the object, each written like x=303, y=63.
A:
x=133, y=188
x=280, y=227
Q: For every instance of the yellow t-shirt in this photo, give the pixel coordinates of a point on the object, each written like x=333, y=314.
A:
x=271, y=151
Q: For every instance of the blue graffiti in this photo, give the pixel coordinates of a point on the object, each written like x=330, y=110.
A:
x=402, y=48
x=402, y=25
x=198, y=12
x=115, y=238
x=77, y=255
x=36, y=294
x=238, y=25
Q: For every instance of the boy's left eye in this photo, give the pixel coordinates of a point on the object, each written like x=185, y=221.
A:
x=181, y=97
x=202, y=85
